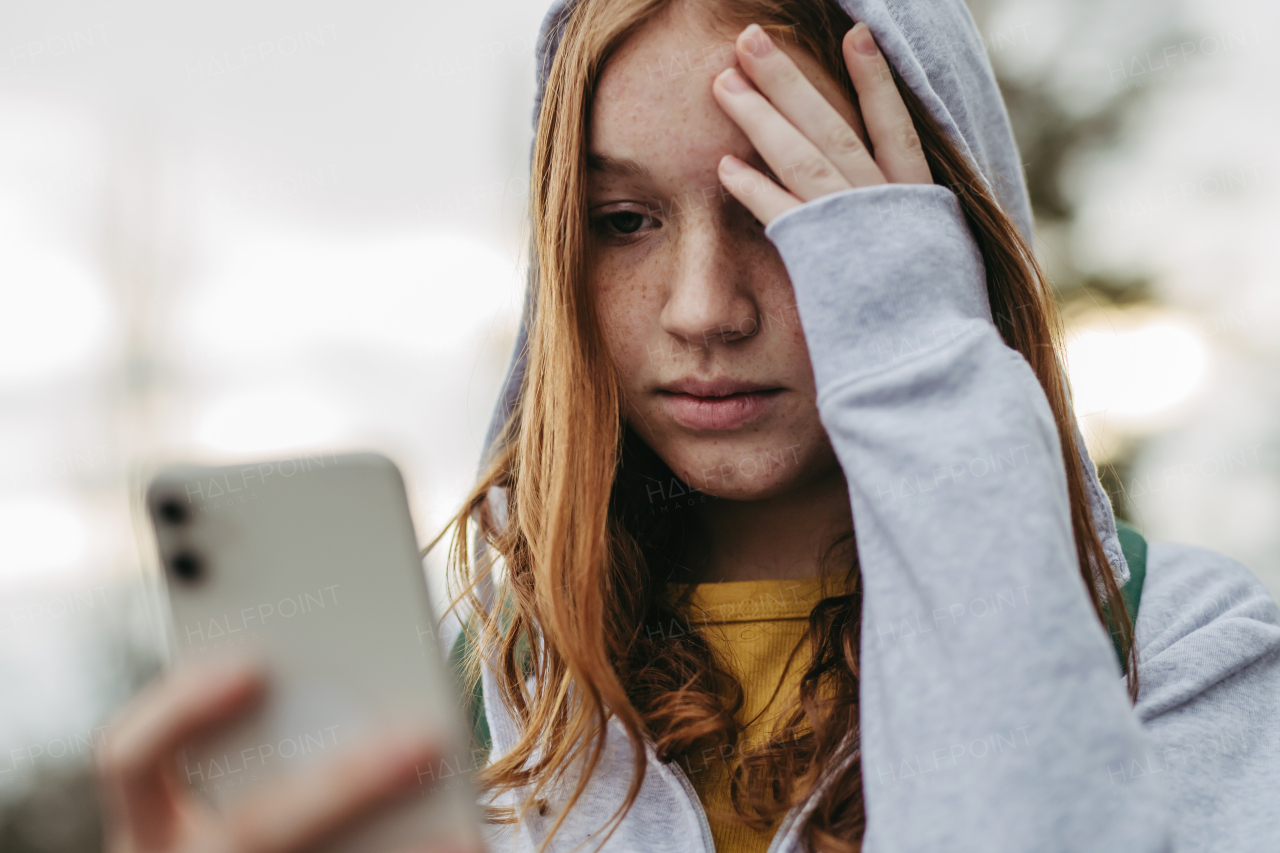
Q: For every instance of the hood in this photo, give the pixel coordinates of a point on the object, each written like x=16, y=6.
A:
x=935, y=47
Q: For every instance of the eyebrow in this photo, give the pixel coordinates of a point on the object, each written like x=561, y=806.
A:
x=616, y=165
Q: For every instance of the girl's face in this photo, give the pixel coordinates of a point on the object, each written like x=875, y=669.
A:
x=695, y=304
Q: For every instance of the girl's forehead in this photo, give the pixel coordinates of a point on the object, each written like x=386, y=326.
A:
x=653, y=102
x=667, y=60
x=653, y=99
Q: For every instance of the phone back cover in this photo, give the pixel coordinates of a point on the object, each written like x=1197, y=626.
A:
x=312, y=565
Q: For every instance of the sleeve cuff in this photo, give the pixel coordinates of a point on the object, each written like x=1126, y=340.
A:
x=881, y=274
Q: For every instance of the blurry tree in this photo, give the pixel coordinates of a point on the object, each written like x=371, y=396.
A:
x=1074, y=74
x=55, y=808
x=57, y=814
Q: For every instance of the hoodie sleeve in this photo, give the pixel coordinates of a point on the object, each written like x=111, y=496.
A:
x=991, y=700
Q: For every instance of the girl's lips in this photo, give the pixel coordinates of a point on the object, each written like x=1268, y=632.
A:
x=720, y=412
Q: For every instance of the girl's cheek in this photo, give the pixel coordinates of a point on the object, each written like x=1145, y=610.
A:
x=630, y=318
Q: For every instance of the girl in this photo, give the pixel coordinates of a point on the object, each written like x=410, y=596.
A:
x=788, y=539
x=841, y=581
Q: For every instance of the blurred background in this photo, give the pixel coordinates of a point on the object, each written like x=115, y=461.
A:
x=251, y=229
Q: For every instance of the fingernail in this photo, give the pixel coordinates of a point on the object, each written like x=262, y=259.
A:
x=758, y=42
x=733, y=81
x=863, y=42
x=730, y=164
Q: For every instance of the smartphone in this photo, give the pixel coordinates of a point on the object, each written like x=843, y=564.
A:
x=311, y=565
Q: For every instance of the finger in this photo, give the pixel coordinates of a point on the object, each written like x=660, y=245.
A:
x=893, y=134
x=305, y=807
x=797, y=162
x=781, y=81
x=137, y=758
x=758, y=194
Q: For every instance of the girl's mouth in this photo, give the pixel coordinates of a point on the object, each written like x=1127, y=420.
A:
x=716, y=405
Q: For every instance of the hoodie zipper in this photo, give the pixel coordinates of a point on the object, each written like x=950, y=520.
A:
x=708, y=843
x=784, y=830
x=775, y=846
x=780, y=838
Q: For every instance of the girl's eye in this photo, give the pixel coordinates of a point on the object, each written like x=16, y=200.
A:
x=622, y=223
x=627, y=222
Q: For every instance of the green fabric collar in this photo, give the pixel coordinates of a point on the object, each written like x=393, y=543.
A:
x=1135, y=554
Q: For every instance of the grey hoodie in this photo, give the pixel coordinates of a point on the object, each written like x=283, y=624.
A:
x=993, y=710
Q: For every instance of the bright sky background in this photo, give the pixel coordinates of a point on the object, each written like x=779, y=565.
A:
x=254, y=228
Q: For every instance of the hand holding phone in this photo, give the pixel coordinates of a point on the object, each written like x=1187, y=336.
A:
x=310, y=568
x=149, y=807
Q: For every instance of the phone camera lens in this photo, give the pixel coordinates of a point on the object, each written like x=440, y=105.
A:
x=186, y=566
x=172, y=511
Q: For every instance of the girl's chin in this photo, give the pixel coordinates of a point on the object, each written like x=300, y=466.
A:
x=743, y=478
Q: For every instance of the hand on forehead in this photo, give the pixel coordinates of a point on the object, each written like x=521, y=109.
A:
x=654, y=110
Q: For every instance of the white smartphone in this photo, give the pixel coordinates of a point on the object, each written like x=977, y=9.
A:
x=311, y=565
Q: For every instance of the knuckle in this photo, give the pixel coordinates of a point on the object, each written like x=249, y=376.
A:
x=910, y=140
x=814, y=170
x=844, y=142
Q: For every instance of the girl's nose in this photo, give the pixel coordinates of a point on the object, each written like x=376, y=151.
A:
x=709, y=296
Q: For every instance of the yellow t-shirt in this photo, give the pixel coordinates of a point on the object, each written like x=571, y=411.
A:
x=753, y=626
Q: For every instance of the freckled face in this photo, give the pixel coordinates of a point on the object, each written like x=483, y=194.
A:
x=695, y=304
